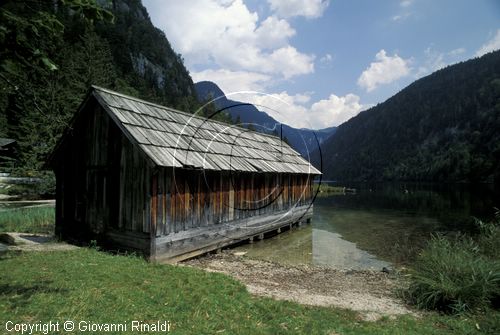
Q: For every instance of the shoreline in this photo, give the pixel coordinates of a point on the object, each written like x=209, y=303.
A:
x=369, y=292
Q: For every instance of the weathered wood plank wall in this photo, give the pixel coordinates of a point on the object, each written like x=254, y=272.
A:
x=103, y=185
x=183, y=199
x=135, y=175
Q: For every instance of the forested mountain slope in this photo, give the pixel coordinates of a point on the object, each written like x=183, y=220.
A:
x=52, y=51
x=444, y=127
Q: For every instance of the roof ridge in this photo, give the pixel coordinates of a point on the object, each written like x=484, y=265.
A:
x=181, y=112
x=142, y=100
x=183, y=124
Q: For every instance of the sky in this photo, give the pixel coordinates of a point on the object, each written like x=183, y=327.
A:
x=317, y=63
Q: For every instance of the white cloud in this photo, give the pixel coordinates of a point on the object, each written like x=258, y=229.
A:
x=283, y=107
x=326, y=60
x=307, y=8
x=400, y=17
x=335, y=110
x=405, y=3
x=289, y=62
x=302, y=98
x=291, y=109
x=230, y=37
x=384, y=70
x=433, y=61
x=273, y=33
x=492, y=45
x=404, y=12
x=234, y=81
x=457, y=51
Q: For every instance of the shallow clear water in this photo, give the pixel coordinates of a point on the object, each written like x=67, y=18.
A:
x=380, y=225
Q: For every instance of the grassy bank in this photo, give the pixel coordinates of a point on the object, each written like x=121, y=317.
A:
x=460, y=275
x=94, y=286
x=325, y=189
x=451, y=276
x=28, y=220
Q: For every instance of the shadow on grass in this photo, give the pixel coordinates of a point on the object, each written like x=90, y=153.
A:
x=19, y=295
x=6, y=254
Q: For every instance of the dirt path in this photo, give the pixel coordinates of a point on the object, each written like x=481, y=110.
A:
x=369, y=292
x=31, y=242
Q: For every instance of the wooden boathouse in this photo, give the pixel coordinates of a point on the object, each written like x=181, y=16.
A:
x=138, y=176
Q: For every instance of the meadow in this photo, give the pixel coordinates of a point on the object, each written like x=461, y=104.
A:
x=96, y=287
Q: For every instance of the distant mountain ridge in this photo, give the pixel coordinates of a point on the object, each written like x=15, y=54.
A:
x=303, y=140
x=444, y=127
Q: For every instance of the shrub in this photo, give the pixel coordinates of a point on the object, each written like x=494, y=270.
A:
x=455, y=275
x=489, y=236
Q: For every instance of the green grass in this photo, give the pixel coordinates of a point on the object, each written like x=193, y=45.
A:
x=325, y=189
x=488, y=240
x=451, y=276
x=90, y=285
x=460, y=274
x=28, y=220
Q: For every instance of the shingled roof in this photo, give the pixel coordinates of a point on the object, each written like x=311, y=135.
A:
x=172, y=138
x=6, y=141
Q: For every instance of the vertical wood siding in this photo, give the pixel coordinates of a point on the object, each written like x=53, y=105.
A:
x=103, y=180
x=184, y=199
x=135, y=175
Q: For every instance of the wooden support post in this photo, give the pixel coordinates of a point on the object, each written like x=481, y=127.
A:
x=278, y=230
x=261, y=237
x=250, y=240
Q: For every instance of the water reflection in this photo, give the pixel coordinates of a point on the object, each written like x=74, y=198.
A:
x=381, y=224
x=331, y=250
x=290, y=248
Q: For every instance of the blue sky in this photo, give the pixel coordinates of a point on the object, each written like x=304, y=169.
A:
x=316, y=63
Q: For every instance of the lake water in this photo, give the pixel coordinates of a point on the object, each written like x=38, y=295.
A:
x=379, y=226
